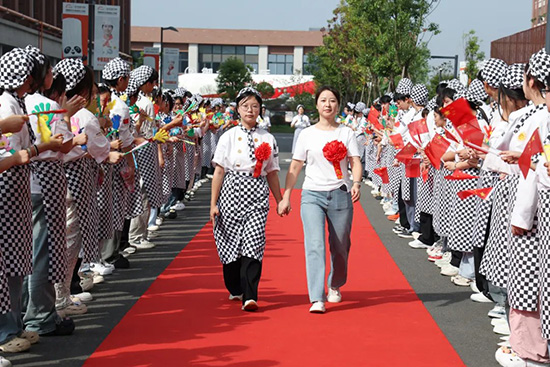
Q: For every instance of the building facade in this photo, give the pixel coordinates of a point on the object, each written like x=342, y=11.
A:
x=540, y=8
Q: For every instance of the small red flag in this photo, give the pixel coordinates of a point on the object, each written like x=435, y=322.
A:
x=534, y=146
x=482, y=193
x=397, y=141
x=383, y=173
x=418, y=127
x=424, y=174
x=460, y=113
x=435, y=150
x=373, y=118
x=406, y=153
x=471, y=134
x=460, y=175
x=412, y=168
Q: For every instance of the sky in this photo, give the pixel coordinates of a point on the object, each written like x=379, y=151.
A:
x=491, y=19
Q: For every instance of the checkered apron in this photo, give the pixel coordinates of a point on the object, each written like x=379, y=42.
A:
x=393, y=172
x=179, y=165
x=460, y=238
x=240, y=228
x=436, y=208
x=483, y=207
x=148, y=165
x=496, y=260
x=446, y=212
x=167, y=170
x=544, y=260
x=361, y=140
x=405, y=184
x=207, y=151
x=190, y=162
x=51, y=176
x=120, y=195
x=370, y=158
x=105, y=204
x=5, y=303
x=82, y=183
x=134, y=201
x=16, y=220
x=425, y=199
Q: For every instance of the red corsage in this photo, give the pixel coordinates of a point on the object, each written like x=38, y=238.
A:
x=262, y=153
x=334, y=151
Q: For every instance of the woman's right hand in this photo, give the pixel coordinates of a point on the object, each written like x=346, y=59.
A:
x=214, y=212
x=13, y=123
x=284, y=207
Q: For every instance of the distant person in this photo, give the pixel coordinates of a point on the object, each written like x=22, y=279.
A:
x=299, y=122
x=264, y=122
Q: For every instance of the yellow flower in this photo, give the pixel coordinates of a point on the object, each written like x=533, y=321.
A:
x=521, y=136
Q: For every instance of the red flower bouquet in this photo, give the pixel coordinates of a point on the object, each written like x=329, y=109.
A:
x=262, y=153
x=334, y=151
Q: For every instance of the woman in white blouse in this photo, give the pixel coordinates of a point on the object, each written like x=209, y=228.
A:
x=247, y=166
x=327, y=196
x=299, y=122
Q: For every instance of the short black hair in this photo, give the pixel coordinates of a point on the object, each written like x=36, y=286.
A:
x=103, y=89
x=245, y=95
x=385, y=99
x=401, y=97
x=39, y=72
x=85, y=86
x=58, y=87
x=330, y=89
x=153, y=78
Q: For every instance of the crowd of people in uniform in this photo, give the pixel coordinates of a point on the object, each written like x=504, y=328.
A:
x=89, y=172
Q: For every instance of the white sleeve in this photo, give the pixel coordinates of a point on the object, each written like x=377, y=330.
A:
x=221, y=151
x=300, y=149
x=273, y=162
x=98, y=146
x=525, y=206
x=353, y=149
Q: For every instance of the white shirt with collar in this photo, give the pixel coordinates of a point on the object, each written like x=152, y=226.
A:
x=20, y=140
x=98, y=146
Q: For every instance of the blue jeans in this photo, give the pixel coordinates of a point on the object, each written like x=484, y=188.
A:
x=336, y=209
x=11, y=324
x=411, y=208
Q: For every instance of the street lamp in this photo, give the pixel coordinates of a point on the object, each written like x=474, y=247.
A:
x=162, y=29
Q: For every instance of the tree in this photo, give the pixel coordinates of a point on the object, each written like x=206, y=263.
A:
x=439, y=74
x=265, y=89
x=472, y=54
x=233, y=76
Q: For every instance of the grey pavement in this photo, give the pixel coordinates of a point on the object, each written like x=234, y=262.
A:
x=463, y=322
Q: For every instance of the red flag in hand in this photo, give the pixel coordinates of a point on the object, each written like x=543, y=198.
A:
x=460, y=113
x=397, y=141
x=412, y=168
x=373, y=117
x=417, y=128
x=435, y=150
x=460, y=175
x=383, y=173
x=406, y=153
x=534, y=146
x=471, y=134
x=482, y=193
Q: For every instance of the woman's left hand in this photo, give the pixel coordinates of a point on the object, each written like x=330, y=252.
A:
x=517, y=231
x=355, y=192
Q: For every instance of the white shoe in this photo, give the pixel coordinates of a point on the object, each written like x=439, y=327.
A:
x=209, y=176
x=505, y=344
x=84, y=296
x=461, y=281
x=129, y=250
x=101, y=269
x=390, y=212
x=473, y=287
x=495, y=322
x=144, y=244
x=480, y=298
x=434, y=250
x=497, y=312
x=153, y=228
x=178, y=206
x=74, y=309
x=87, y=283
x=334, y=295
x=159, y=221
x=416, y=235
x=250, y=305
x=235, y=298
x=418, y=244
x=4, y=362
x=449, y=270
x=204, y=180
x=511, y=359
x=502, y=329
x=97, y=279
x=445, y=260
x=318, y=307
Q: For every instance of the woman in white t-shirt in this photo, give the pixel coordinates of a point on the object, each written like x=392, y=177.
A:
x=327, y=195
x=299, y=122
x=264, y=122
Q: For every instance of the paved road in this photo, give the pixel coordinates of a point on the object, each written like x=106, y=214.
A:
x=463, y=322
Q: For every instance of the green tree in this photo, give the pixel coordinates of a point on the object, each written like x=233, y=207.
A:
x=265, y=89
x=233, y=75
x=472, y=54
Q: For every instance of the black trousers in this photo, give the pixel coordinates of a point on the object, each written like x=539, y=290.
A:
x=481, y=281
x=402, y=211
x=243, y=277
x=428, y=236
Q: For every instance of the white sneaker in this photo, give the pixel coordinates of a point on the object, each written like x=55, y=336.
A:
x=434, y=250
x=204, y=180
x=318, y=307
x=418, y=244
x=74, y=309
x=250, y=305
x=416, y=235
x=153, y=228
x=511, y=359
x=235, y=298
x=461, y=281
x=390, y=212
x=445, y=260
x=143, y=245
x=159, y=221
x=449, y=270
x=495, y=322
x=101, y=269
x=209, y=176
x=84, y=296
x=97, y=279
x=334, y=295
x=473, y=287
x=480, y=298
x=505, y=344
x=4, y=362
x=498, y=312
x=87, y=283
x=502, y=329
x=129, y=250
x=178, y=206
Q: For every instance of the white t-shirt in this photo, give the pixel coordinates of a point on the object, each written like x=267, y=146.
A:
x=300, y=122
x=97, y=146
x=121, y=109
x=264, y=123
x=232, y=151
x=320, y=174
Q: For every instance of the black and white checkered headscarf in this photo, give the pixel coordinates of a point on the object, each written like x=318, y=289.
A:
x=513, y=77
x=132, y=89
x=35, y=53
x=539, y=66
x=360, y=106
x=116, y=68
x=15, y=68
x=141, y=75
x=73, y=70
x=404, y=86
x=419, y=95
x=351, y=106
x=217, y=102
x=457, y=86
x=432, y=104
x=476, y=92
x=180, y=92
x=389, y=94
x=493, y=71
x=248, y=90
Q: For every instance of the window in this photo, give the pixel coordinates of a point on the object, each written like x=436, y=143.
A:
x=184, y=61
x=306, y=66
x=281, y=64
x=211, y=56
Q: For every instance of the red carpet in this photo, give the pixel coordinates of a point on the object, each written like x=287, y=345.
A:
x=185, y=319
